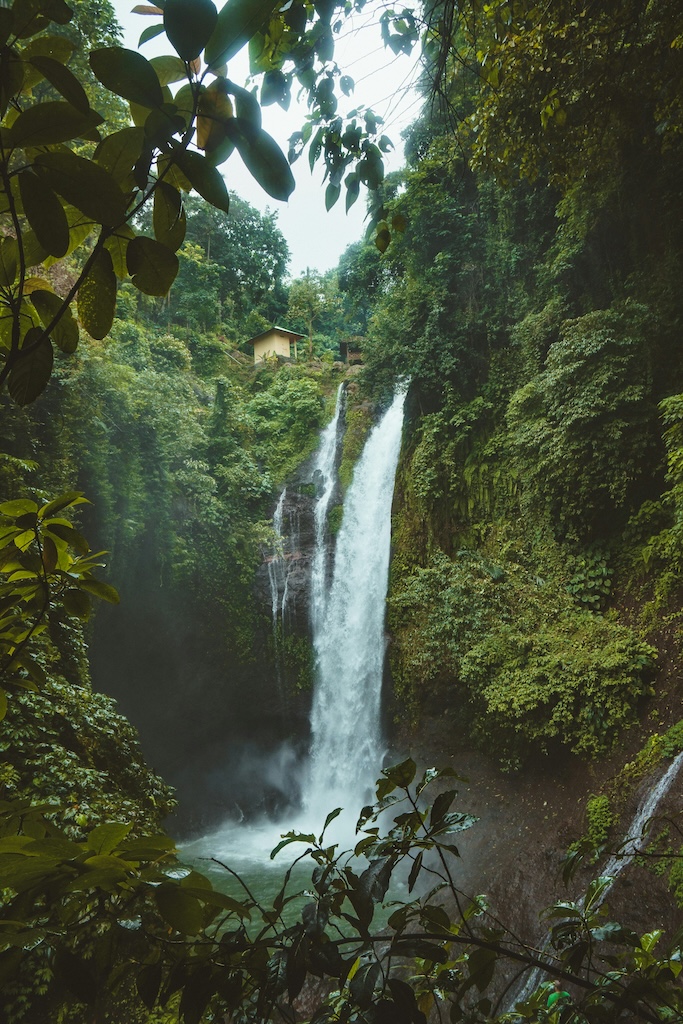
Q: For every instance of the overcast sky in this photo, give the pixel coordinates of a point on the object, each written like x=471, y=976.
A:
x=315, y=237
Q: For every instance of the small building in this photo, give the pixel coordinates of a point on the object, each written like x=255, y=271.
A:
x=276, y=341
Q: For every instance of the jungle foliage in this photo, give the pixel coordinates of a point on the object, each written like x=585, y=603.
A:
x=532, y=300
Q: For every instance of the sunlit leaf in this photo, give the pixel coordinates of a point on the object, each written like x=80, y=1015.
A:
x=127, y=74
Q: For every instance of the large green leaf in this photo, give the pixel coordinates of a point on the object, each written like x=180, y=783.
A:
x=180, y=909
x=168, y=218
x=48, y=123
x=152, y=266
x=105, y=838
x=57, y=47
x=97, y=297
x=117, y=247
x=9, y=261
x=237, y=22
x=169, y=69
x=100, y=589
x=214, y=109
x=119, y=152
x=30, y=374
x=44, y=212
x=84, y=184
x=12, y=74
x=65, y=331
x=32, y=16
x=263, y=158
x=189, y=25
x=204, y=178
x=127, y=74
x=64, y=81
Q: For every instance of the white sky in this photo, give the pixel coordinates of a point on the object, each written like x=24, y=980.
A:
x=384, y=82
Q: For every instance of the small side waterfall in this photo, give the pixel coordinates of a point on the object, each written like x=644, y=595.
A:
x=629, y=848
x=279, y=565
x=325, y=479
x=348, y=630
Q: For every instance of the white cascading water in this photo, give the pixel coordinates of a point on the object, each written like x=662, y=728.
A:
x=325, y=479
x=630, y=847
x=348, y=633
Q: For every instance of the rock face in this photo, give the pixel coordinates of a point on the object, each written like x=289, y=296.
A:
x=283, y=582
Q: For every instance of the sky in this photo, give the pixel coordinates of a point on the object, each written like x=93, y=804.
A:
x=384, y=82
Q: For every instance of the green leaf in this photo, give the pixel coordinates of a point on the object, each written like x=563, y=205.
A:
x=64, y=81
x=332, y=193
x=169, y=69
x=67, y=500
x=237, y=22
x=58, y=47
x=213, y=110
x=401, y=774
x=76, y=603
x=119, y=152
x=3, y=704
x=32, y=16
x=105, y=838
x=48, y=123
x=69, y=536
x=117, y=247
x=18, y=507
x=12, y=77
x=150, y=33
x=30, y=374
x=189, y=25
x=152, y=266
x=179, y=909
x=97, y=297
x=9, y=261
x=102, y=590
x=148, y=983
x=246, y=105
x=204, y=178
x=263, y=158
x=168, y=216
x=127, y=74
x=84, y=184
x=6, y=23
x=65, y=332
x=44, y=212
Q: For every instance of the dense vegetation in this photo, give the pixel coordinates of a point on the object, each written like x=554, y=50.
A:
x=528, y=288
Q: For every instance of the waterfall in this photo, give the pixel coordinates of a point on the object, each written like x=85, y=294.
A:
x=325, y=479
x=629, y=848
x=348, y=630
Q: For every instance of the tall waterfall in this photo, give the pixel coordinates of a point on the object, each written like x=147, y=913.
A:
x=348, y=630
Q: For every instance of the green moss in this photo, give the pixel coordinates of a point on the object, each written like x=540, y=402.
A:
x=530, y=669
x=358, y=424
x=334, y=519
